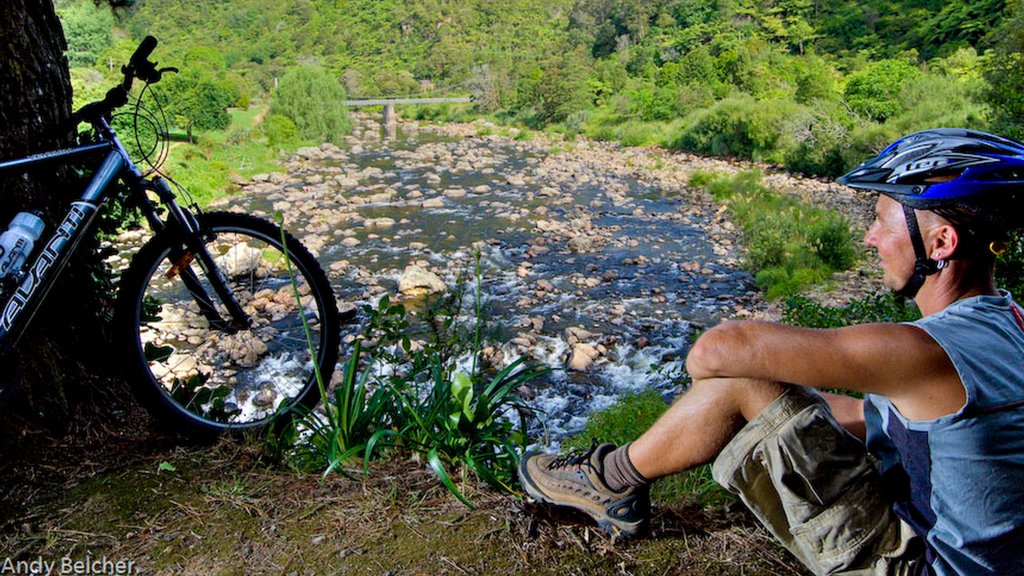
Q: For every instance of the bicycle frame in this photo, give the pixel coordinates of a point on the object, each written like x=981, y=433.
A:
x=17, y=310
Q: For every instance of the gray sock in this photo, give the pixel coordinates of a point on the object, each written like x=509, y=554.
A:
x=619, y=473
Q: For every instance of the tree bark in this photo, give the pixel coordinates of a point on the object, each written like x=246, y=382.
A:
x=35, y=105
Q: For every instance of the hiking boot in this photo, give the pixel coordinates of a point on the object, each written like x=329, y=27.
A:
x=577, y=480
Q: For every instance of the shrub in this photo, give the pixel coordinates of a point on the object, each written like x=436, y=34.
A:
x=650, y=102
x=1010, y=266
x=874, y=91
x=314, y=101
x=833, y=242
x=934, y=101
x=880, y=307
x=818, y=137
x=739, y=126
x=238, y=135
x=279, y=130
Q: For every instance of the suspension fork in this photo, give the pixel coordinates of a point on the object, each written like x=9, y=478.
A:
x=191, y=246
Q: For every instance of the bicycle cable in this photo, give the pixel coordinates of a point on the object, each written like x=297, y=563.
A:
x=157, y=119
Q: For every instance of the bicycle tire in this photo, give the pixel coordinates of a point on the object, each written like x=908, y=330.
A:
x=201, y=381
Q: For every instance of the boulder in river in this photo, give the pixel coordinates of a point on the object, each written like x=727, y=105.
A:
x=583, y=356
x=416, y=281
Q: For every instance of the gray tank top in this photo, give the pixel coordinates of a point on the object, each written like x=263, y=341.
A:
x=959, y=479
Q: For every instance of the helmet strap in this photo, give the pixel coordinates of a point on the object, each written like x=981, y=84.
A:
x=923, y=265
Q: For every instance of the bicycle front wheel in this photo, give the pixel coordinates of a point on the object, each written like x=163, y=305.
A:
x=201, y=377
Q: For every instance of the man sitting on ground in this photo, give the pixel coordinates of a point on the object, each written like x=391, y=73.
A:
x=922, y=476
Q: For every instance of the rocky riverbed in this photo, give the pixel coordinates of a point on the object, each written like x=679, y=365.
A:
x=598, y=260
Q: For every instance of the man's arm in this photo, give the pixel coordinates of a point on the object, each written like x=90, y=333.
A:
x=898, y=361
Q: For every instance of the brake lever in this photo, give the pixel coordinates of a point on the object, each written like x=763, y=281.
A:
x=158, y=74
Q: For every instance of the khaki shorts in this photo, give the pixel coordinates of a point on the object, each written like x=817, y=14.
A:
x=814, y=487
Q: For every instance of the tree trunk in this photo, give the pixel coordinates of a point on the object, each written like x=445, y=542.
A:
x=34, y=107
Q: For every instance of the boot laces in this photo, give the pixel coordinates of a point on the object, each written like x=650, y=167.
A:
x=576, y=458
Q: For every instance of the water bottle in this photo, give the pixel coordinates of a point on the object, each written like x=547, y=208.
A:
x=16, y=243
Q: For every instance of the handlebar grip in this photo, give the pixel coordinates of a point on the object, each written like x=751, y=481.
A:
x=145, y=48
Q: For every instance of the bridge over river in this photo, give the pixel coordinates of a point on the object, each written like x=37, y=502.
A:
x=390, y=119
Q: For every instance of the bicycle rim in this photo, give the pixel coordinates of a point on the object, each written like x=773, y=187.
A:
x=222, y=380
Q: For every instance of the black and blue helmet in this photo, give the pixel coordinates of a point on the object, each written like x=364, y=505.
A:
x=973, y=179
x=949, y=168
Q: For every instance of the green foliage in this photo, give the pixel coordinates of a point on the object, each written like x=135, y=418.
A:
x=420, y=403
x=88, y=28
x=739, y=126
x=1010, y=266
x=464, y=421
x=817, y=137
x=197, y=100
x=881, y=307
x=1002, y=70
x=207, y=171
x=790, y=245
x=874, y=91
x=354, y=420
x=314, y=101
x=749, y=79
x=553, y=90
x=279, y=130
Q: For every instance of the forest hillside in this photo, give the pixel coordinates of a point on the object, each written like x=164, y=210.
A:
x=813, y=85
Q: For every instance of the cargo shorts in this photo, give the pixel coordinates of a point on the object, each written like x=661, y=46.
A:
x=814, y=487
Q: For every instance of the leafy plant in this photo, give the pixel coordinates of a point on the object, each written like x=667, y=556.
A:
x=880, y=307
x=420, y=405
x=465, y=422
x=354, y=419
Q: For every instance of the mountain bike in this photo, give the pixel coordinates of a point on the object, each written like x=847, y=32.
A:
x=210, y=313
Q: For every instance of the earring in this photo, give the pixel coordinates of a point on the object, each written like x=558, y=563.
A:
x=940, y=264
x=998, y=247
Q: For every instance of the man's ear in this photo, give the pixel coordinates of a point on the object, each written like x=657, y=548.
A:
x=944, y=240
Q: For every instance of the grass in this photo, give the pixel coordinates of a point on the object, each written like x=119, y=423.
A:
x=208, y=167
x=790, y=245
x=225, y=510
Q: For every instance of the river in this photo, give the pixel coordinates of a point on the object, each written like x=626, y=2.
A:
x=591, y=262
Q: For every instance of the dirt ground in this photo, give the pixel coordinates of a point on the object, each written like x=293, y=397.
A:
x=228, y=510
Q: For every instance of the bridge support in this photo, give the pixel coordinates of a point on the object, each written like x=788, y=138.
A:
x=390, y=117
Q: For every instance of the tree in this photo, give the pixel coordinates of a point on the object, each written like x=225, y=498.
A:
x=34, y=109
x=874, y=91
x=197, y=100
x=1003, y=70
x=88, y=28
x=315, y=102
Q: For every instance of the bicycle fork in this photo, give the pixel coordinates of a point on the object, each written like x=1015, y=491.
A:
x=193, y=248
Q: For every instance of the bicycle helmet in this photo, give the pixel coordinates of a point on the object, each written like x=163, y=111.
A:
x=949, y=171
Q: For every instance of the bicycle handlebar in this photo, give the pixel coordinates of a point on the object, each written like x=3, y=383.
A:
x=138, y=66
